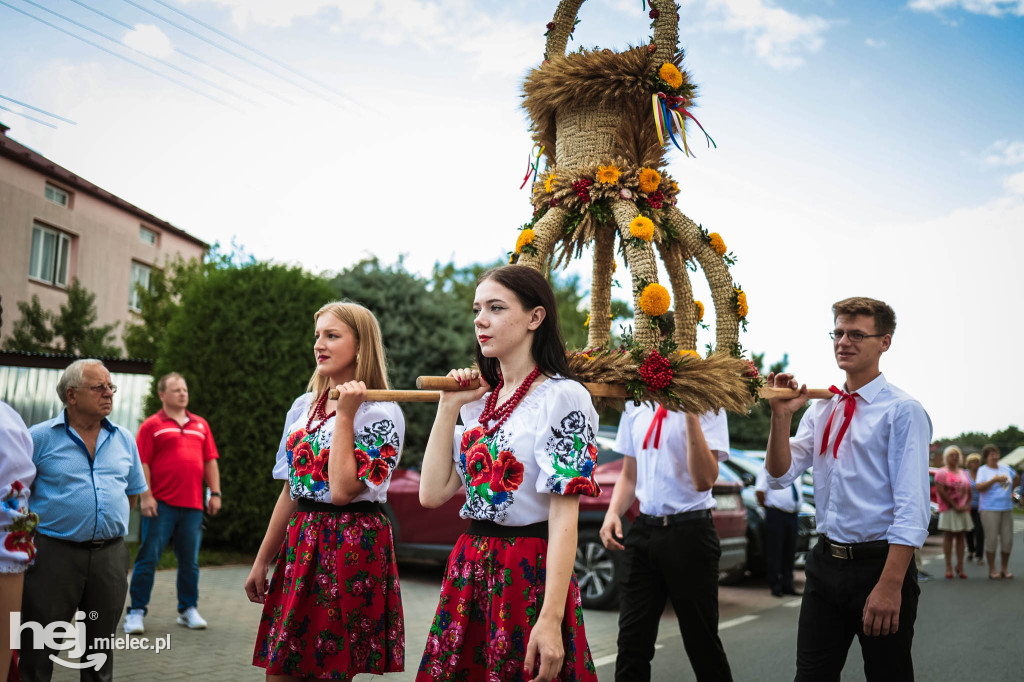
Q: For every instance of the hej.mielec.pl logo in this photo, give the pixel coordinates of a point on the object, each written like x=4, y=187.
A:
x=70, y=637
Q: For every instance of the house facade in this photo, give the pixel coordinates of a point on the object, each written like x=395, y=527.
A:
x=55, y=225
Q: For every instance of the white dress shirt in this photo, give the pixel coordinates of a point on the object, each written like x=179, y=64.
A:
x=663, y=483
x=787, y=499
x=876, y=488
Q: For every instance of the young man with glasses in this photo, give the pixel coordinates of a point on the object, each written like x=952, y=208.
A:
x=88, y=478
x=869, y=449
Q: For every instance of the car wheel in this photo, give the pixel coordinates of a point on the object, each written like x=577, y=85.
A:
x=597, y=572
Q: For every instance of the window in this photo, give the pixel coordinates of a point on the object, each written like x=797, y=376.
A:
x=51, y=251
x=57, y=195
x=140, y=276
x=147, y=236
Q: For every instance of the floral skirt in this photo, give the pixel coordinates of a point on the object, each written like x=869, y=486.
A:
x=333, y=607
x=491, y=596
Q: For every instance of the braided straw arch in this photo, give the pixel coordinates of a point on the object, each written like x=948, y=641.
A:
x=592, y=110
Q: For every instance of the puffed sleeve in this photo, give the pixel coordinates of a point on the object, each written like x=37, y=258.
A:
x=379, y=435
x=568, y=454
x=17, y=524
x=300, y=406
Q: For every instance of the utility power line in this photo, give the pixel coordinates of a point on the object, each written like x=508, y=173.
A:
x=31, y=118
x=41, y=111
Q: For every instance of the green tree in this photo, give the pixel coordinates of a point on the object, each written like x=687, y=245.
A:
x=425, y=332
x=32, y=332
x=750, y=432
x=74, y=324
x=1006, y=440
x=242, y=337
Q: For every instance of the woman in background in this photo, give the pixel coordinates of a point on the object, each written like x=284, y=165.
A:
x=954, y=490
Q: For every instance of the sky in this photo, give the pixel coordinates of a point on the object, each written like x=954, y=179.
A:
x=869, y=148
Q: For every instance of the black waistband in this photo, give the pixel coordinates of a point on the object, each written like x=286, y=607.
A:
x=782, y=511
x=671, y=519
x=364, y=506
x=857, y=550
x=495, y=530
x=86, y=544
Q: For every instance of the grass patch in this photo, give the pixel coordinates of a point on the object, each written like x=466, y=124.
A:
x=207, y=557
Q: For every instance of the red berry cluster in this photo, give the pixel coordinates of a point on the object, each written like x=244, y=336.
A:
x=752, y=372
x=581, y=187
x=551, y=25
x=656, y=371
x=656, y=199
x=654, y=14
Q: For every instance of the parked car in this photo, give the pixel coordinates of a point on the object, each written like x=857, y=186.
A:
x=429, y=534
x=745, y=467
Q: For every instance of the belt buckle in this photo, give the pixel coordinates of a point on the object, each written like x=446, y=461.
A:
x=840, y=551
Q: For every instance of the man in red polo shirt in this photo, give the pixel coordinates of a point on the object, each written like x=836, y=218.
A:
x=178, y=454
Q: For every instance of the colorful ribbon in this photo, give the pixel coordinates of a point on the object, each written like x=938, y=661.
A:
x=851, y=405
x=533, y=163
x=669, y=111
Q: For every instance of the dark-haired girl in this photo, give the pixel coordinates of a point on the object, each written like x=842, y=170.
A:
x=510, y=606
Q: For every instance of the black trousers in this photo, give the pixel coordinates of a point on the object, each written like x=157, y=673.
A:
x=976, y=537
x=677, y=562
x=780, y=530
x=66, y=578
x=831, y=614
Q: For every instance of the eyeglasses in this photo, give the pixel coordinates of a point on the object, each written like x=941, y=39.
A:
x=854, y=336
x=99, y=388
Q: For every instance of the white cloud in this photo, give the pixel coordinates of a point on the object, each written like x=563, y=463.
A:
x=1006, y=153
x=1015, y=183
x=149, y=39
x=871, y=42
x=992, y=8
x=779, y=37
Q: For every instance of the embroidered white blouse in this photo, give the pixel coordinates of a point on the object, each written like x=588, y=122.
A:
x=548, y=445
x=302, y=457
x=17, y=524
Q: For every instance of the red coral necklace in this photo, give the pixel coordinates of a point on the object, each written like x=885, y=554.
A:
x=501, y=413
x=319, y=412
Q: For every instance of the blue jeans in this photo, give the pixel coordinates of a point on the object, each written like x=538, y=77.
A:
x=185, y=525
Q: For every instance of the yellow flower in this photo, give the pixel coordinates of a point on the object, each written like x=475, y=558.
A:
x=642, y=228
x=687, y=354
x=654, y=300
x=549, y=183
x=671, y=75
x=717, y=243
x=608, y=175
x=741, y=303
x=649, y=180
x=587, y=323
x=700, y=310
x=525, y=237
x=675, y=186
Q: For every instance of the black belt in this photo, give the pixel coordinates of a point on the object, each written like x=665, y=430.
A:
x=858, y=550
x=86, y=544
x=491, y=529
x=671, y=519
x=783, y=511
x=364, y=506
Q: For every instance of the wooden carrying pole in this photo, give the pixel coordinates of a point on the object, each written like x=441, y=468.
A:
x=433, y=385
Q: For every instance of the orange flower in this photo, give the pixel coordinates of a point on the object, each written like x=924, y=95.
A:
x=700, y=310
x=525, y=237
x=608, y=175
x=655, y=300
x=717, y=243
x=741, y=303
x=671, y=75
x=649, y=180
x=642, y=228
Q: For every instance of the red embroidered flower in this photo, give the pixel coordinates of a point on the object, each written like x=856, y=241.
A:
x=375, y=471
x=478, y=464
x=582, y=486
x=320, y=465
x=302, y=459
x=294, y=438
x=471, y=437
x=507, y=472
x=362, y=459
x=592, y=451
x=20, y=541
x=388, y=451
x=17, y=486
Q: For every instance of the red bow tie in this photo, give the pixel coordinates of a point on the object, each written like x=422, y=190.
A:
x=851, y=405
x=659, y=417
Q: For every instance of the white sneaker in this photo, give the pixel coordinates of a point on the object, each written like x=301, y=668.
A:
x=191, y=619
x=133, y=622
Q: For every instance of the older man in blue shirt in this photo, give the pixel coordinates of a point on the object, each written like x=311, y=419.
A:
x=89, y=476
